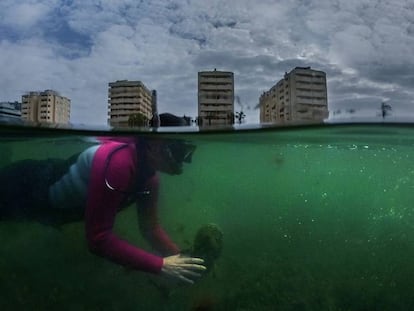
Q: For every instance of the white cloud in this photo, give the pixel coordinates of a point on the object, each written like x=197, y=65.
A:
x=25, y=14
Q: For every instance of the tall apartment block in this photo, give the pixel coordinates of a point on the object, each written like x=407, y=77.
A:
x=215, y=97
x=126, y=98
x=46, y=107
x=300, y=96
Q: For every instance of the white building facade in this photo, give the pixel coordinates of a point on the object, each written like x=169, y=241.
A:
x=300, y=96
x=126, y=98
x=46, y=107
x=215, y=98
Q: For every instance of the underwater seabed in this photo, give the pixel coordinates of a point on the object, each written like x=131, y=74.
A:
x=314, y=218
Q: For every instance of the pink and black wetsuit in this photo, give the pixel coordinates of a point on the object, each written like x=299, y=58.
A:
x=104, y=179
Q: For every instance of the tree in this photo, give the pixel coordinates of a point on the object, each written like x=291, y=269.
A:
x=199, y=121
x=210, y=116
x=137, y=120
x=385, y=109
x=187, y=120
x=230, y=118
x=240, y=115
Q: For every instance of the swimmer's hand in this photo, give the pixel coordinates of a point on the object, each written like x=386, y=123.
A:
x=182, y=268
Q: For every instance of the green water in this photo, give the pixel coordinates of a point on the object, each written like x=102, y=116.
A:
x=314, y=218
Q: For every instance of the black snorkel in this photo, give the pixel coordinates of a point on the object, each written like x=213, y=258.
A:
x=181, y=151
x=175, y=152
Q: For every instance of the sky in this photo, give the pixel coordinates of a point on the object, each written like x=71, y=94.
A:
x=77, y=47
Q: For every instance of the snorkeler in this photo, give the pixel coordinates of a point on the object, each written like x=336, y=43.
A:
x=94, y=186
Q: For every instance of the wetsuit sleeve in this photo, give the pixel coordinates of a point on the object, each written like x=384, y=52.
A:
x=102, y=206
x=147, y=208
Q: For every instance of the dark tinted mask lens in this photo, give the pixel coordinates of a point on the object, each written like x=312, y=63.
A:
x=182, y=152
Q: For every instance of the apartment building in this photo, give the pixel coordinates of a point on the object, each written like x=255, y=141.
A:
x=300, y=96
x=46, y=107
x=215, y=98
x=126, y=98
x=10, y=110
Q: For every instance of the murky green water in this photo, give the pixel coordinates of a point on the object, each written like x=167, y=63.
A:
x=317, y=218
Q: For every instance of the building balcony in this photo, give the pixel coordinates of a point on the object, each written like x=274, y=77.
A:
x=126, y=100
x=209, y=88
x=207, y=79
x=217, y=108
x=223, y=101
x=136, y=106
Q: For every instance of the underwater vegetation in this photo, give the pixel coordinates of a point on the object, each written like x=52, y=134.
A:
x=313, y=220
